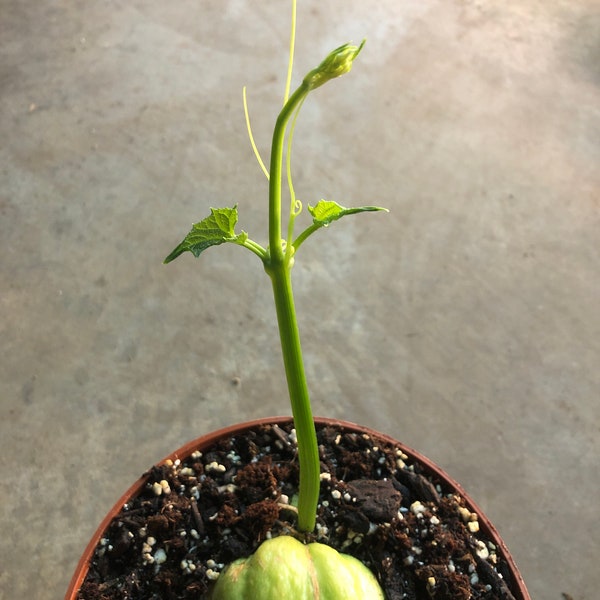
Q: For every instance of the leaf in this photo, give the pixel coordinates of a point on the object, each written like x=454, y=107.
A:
x=212, y=231
x=327, y=211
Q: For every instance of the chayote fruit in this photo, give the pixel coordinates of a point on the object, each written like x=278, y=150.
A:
x=283, y=568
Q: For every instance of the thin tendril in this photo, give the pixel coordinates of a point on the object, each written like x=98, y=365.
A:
x=288, y=81
x=295, y=205
x=254, y=148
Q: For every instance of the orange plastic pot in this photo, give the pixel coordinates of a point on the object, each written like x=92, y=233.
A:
x=517, y=585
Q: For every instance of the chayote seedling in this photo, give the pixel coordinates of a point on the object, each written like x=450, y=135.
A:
x=284, y=568
x=288, y=568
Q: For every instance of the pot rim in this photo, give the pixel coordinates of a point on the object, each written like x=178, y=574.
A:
x=210, y=438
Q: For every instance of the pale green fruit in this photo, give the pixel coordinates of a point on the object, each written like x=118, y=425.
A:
x=285, y=569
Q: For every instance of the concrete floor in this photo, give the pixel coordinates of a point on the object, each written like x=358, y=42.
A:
x=466, y=322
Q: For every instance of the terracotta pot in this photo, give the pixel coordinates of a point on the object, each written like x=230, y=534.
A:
x=517, y=587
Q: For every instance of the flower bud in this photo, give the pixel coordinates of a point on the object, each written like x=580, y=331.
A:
x=337, y=63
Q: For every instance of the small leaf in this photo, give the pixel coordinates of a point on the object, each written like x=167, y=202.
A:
x=212, y=231
x=327, y=211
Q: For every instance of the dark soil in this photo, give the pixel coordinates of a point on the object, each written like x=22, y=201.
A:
x=418, y=538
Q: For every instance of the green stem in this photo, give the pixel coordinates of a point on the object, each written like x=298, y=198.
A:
x=302, y=237
x=278, y=266
x=256, y=248
x=275, y=245
x=308, y=453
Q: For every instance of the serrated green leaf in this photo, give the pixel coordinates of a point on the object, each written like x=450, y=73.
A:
x=217, y=229
x=327, y=211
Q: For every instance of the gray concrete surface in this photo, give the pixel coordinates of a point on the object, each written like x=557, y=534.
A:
x=465, y=322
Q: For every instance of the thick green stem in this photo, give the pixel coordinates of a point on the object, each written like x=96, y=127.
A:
x=278, y=266
x=275, y=240
x=308, y=453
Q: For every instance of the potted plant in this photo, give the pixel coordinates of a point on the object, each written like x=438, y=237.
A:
x=293, y=507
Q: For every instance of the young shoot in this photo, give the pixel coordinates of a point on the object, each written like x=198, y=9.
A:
x=279, y=255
